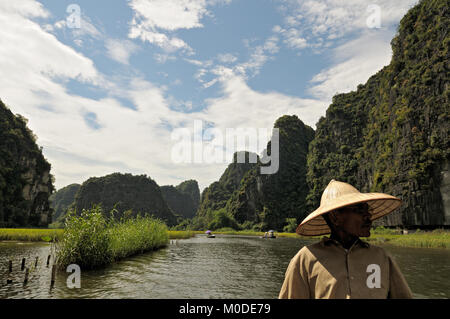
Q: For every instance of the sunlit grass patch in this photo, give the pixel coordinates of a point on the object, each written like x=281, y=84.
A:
x=30, y=234
x=438, y=238
x=182, y=234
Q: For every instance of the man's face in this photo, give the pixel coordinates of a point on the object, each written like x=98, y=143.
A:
x=355, y=220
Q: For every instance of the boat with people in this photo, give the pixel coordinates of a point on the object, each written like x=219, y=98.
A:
x=269, y=234
x=209, y=234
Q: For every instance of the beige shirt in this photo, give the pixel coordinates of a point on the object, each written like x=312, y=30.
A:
x=327, y=270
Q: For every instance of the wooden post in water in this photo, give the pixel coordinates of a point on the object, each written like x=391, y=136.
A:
x=27, y=271
x=36, y=262
x=10, y=266
x=48, y=260
x=8, y=281
x=53, y=276
x=23, y=264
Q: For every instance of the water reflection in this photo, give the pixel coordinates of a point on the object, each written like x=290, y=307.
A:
x=200, y=267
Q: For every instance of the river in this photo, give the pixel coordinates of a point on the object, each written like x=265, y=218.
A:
x=222, y=267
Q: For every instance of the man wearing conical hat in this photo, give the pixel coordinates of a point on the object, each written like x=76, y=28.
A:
x=342, y=265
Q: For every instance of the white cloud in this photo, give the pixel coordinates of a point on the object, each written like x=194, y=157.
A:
x=156, y=20
x=259, y=55
x=249, y=108
x=160, y=39
x=154, y=17
x=355, y=61
x=163, y=58
x=226, y=58
x=86, y=28
x=168, y=15
x=24, y=8
x=292, y=37
x=120, y=50
x=315, y=24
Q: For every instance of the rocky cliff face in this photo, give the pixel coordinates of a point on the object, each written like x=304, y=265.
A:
x=218, y=193
x=182, y=199
x=268, y=199
x=25, y=179
x=191, y=188
x=124, y=192
x=392, y=134
x=62, y=200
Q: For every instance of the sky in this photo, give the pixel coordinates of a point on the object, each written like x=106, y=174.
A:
x=108, y=85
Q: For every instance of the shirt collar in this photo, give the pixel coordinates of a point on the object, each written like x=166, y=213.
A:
x=326, y=241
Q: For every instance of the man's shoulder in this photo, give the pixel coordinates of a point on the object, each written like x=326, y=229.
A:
x=378, y=249
x=309, y=249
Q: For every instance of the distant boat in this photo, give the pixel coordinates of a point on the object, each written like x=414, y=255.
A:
x=269, y=234
x=209, y=234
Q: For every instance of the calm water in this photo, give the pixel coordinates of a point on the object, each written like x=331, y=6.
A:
x=223, y=267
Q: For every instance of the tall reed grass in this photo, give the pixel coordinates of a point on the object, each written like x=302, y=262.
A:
x=91, y=241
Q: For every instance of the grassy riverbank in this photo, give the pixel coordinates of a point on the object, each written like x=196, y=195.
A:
x=182, y=234
x=438, y=238
x=425, y=239
x=54, y=235
x=30, y=234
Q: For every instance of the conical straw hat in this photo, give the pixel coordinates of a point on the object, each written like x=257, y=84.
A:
x=340, y=194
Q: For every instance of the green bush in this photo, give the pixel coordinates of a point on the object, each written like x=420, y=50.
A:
x=223, y=219
x=291, y=226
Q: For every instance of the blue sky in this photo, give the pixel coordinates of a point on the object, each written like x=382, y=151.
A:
x=106, y=94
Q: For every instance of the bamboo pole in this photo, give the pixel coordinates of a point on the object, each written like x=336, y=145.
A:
x=10, y=266
x=23, y=264
x=27, y=271
x=48, y=260
x=53, y=275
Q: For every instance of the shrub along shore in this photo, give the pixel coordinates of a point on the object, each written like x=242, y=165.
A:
x=379, y=236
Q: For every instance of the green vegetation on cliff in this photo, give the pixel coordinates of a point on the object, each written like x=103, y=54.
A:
x=265, y=201
x=211, y=212
x=392, y=134
x=25, y=179
x=182, y=200
x=190, y=187
x=128, y=195
x=61, y=201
